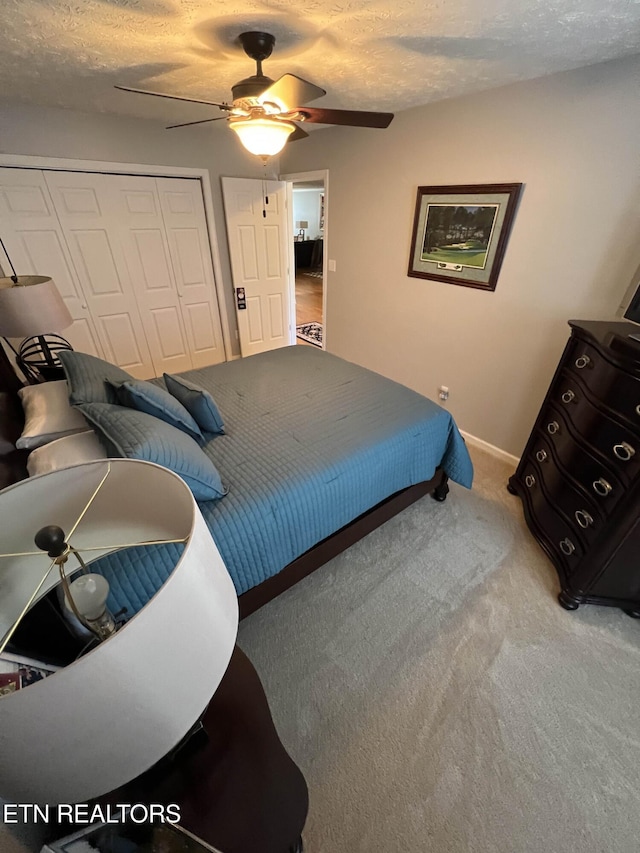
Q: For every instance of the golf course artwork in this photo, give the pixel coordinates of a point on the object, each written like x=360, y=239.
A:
x=460, y=233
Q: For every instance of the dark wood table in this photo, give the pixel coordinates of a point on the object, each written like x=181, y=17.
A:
x=237, y=788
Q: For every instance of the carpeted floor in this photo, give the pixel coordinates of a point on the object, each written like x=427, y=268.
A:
x=438, y=699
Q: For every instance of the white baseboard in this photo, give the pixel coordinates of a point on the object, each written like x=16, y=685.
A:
x=490, y=448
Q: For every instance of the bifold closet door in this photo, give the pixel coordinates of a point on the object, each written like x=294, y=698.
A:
x=131, y=257
x=88, y=222
x=147, y=264
x=185, y=222
x=32, y=234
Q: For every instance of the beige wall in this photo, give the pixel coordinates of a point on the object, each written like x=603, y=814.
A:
x=40, y=131
x=573, y=140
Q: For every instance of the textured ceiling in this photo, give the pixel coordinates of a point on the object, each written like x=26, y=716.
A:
x=367, y=54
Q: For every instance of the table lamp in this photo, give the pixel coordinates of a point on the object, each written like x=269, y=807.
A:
x=303, y=224
x=113, y=713
x=31, y=307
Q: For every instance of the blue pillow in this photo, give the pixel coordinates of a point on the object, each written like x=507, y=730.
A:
x=87, y=377
x=197, y=401
x=148, y=398
x=137, y=435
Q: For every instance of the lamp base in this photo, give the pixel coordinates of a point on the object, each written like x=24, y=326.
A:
x=38, y=357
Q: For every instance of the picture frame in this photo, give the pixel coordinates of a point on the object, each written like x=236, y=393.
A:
x=321, y=213
x=18, y=672
x=460, y=233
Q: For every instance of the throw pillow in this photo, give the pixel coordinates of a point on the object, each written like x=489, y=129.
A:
x=137, y=435
x=148, y=398
x=197, y=402
x=87, y=377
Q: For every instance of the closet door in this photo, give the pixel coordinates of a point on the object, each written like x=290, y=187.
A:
x=81, y=204
x=134, y=205
x=186, y=227
x=36, y=245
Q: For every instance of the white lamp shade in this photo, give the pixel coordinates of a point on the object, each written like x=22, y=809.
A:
x=113, y=713
x=33, y=306
x=262, y=136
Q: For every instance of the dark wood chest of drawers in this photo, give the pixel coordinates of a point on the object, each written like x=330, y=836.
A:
x=579, y=476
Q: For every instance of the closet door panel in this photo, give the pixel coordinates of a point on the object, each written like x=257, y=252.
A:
x=136, y=207
x=186, y=227
x=34, y=239
x=82, y=203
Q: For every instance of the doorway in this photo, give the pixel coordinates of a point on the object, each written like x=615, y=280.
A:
x=307, y=194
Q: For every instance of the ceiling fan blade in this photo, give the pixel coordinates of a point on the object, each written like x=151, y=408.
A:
x=290, y=90
x=352, y=118
x=173, y=97
x=189, y=123
x=298, y=133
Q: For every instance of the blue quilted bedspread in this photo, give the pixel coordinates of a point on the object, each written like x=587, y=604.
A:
x=312, y=441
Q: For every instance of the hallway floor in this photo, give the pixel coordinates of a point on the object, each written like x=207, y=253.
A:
x=308, y=301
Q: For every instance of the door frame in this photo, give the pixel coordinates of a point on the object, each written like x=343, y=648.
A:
x=291, y=179
x=28, y=161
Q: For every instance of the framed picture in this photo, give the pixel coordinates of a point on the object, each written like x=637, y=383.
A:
x=18, y=672
x=460, y=233
x=321, y=213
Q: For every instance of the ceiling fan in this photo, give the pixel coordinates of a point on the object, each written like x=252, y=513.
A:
x=263, y=112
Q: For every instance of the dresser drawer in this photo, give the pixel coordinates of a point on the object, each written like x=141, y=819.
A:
x=563, y=541
x=596, y=478
x=618, y=390
x=566, y=496
x=619, y=445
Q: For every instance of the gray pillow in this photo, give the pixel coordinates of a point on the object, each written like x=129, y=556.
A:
x=87, y=377
x=145, y=397
x=137, y=435
x=197, y=401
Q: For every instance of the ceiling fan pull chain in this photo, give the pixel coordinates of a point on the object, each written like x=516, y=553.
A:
x=265, y=196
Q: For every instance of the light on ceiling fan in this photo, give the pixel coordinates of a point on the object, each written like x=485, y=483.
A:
x=262, y=136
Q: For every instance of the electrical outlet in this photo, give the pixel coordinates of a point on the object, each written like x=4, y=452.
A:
x=332, y=265
x=443, y=392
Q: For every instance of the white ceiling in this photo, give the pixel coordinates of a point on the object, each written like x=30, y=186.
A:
x=367, y=54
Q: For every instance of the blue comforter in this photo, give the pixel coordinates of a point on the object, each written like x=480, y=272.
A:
x=312, y=441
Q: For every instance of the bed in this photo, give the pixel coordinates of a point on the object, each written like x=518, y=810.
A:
x=316, y=452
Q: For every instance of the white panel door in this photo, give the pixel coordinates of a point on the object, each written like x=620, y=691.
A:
x=185, y=222
x=98, y=257
x=258, y=242
x=36, y=245
x=134, y=205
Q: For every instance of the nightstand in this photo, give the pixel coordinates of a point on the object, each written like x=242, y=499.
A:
x=106, y=838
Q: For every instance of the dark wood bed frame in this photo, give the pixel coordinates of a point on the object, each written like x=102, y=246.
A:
x=13, y=468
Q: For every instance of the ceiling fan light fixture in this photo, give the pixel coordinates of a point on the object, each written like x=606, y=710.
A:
x=263, y=137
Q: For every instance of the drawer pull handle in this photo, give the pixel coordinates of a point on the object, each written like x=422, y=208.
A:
x=567, y=547
x=638, y=409
x=601, y=487
x=541, y=455
x=553, y=427
x=530, y=480
x=568, y=396
x=582, y=361
x=623, y=451
x=583, y=518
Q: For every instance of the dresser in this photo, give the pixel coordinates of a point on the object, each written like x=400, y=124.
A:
x=579, y=475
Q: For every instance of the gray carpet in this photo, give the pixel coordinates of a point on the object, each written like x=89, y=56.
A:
x=437, y=698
